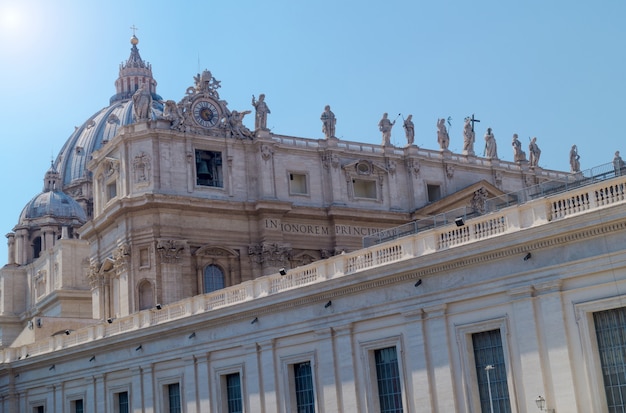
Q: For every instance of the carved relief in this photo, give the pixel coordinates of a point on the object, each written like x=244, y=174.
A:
x=171, y=251
x=330, y=159
x=266, y=152
x=478, y=202
x=450, y=171
x=391, y=167
x=111, y=166
x=121, y=258
x=498, y=178
x=413, y=166
x=93, y=274
x=142, y=164
x=270, y=253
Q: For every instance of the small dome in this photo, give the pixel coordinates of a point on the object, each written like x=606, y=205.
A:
x=54, y=204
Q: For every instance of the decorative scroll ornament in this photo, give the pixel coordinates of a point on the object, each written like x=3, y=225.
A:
x=121, y=258
x=274, y=254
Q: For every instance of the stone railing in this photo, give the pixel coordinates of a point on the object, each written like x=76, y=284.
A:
x=515, y=218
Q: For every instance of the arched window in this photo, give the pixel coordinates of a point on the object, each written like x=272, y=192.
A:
x=146, y=295
x=213, y=278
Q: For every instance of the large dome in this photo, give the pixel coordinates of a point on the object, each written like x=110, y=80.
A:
x=104, y=124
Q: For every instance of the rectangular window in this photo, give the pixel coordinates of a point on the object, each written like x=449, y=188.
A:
x=303, y=381
x=611, y=334
x=77, y=406
x=233, y=393
x=173, y=398
x=388, y=379
x=111, y=190
x=38, y=409
x=364, y=189
x=209, y=169
x=121, y=402
x=493, y=388
x=298, y=184
x=434, y=193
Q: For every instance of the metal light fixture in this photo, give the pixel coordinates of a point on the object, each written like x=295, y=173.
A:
x=282, y=271
x=139, y=348
x=328, y=304
x=459, y=222
x=256, y=320
x=192, y=335
x=527, y=256
x=418, y=282
x=541, y=404
x=158, y=306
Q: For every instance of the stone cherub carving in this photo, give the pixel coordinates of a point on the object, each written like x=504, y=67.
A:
x=328, y=122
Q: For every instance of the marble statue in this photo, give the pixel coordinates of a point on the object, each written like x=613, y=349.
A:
x=491, y=148
x=172, y=113
x=618, y=164
x=468, y=137
x=328, y=122
x=235, y=121
x=442, y=135
x=260, y=120
x=409, y=130
x=518, y=154
x=142, y=102
x=534, y=153
x=385, y=126
x=574, y=159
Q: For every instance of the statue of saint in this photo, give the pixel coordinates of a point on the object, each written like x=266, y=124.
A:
x=142, y=103
x=574, y=159
x=328, y=122
x=385, y=126
x=442, y=135
x=518, y=154
x=409, y=130
x=491, y=148
x=534, y=153
x=618, y=164
x=468, y=137
x=235, y=121
x=260, y=120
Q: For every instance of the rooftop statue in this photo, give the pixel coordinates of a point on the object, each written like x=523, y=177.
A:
x=518, y=154
x=574, y=159
x=328, y=122
x=260, y=119
x=385, y=126
x=468, y=137
x=409, y=130
x=442, y=135
x=534, y=153
x=491, y=147
x=235, y=121
x=142, y=102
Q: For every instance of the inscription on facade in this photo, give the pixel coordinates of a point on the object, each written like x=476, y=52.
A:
x=322, y=230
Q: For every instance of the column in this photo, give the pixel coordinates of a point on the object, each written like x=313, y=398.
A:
x=148, y=390
x=189, y=385
x=347, y=398
x=11, y=245
x=203, y=384
x=327, y=380
x=527, y=361
x=437, y=349
x=253, y=379
x=100, y=395
x=136, y=394
x=557, y=370
x=268, y=376
x=90, y=397
x=418, y=387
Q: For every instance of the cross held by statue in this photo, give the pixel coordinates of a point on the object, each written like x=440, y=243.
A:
x=472, y=120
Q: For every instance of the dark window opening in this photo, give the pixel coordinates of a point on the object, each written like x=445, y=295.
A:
x=209, y=169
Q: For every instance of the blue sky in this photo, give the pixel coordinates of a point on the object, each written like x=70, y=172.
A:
x=551, y=69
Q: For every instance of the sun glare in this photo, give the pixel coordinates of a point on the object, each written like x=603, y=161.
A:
x=10, y=19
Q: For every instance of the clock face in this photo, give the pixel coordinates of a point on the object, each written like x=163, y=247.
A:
x=206, y=113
